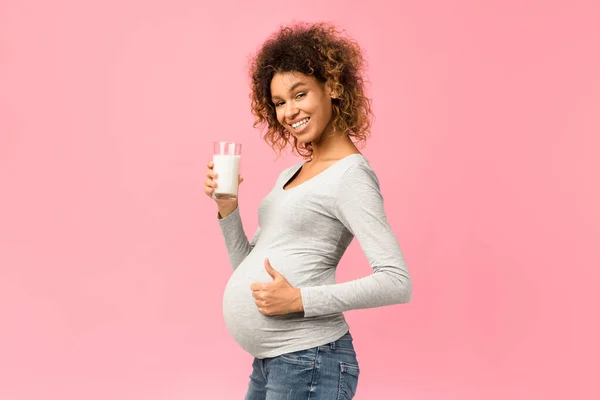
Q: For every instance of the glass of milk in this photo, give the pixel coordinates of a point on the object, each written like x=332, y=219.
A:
x=226, y=157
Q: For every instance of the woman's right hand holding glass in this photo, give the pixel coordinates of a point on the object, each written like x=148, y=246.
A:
x=225, y=207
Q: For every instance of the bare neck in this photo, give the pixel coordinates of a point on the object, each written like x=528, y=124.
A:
x=333, y=147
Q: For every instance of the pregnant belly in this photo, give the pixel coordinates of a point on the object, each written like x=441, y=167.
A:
x=254, y=332
x=248, y=327
x=262, y=335
x=241, y=315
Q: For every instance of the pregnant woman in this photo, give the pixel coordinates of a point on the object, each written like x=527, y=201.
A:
x=282, y=303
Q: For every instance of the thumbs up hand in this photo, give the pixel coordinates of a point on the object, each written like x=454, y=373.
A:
x=276, y=297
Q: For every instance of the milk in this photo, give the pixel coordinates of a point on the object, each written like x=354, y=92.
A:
x=227, y=168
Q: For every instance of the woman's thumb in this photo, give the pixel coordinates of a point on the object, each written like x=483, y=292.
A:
x=270, y=270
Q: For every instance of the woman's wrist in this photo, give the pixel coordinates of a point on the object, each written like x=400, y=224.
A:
x=225, y=210
x=298, y=304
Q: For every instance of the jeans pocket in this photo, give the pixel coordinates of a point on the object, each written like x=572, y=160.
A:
x=304, y=358
x=348, y=381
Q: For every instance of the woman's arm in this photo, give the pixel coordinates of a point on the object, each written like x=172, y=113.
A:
x=359, y=207
x=236, y=241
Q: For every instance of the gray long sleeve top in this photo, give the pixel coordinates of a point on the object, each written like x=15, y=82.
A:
x=304, y=231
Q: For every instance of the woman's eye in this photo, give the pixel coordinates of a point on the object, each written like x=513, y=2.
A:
x=278, y=104
x=299, y=95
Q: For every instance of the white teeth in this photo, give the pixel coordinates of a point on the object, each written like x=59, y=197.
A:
x=300, y=123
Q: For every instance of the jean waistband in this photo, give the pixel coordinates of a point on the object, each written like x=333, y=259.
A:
x=345, y=342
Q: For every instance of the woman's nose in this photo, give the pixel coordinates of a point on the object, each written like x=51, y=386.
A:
x=290, y=110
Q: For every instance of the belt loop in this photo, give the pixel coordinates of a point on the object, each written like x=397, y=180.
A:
x=332, y=345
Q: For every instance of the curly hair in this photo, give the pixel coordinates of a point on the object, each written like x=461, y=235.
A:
x=317, y=50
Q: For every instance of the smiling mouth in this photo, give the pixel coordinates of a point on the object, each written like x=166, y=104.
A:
x=298, y=126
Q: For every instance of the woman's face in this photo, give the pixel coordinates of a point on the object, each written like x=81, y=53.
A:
x=302, y=104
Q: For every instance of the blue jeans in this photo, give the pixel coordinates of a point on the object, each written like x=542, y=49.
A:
x=328, y=372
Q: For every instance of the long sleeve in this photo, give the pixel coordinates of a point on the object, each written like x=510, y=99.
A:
x=359, y=206
x=236, y=241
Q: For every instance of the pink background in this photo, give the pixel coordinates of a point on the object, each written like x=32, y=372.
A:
x=485, y=141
